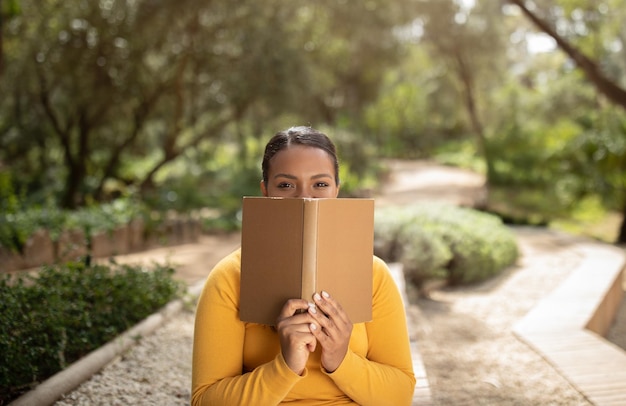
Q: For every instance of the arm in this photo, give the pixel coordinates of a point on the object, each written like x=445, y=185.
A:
x=217, y=377
x=385, y=376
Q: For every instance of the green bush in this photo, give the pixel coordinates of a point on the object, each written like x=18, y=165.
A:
x=68, y=310
x=398, y=238
x=440, y=241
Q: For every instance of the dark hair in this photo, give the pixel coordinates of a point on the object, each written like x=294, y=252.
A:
x=301, y=135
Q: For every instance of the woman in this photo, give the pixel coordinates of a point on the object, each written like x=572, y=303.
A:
x=314, y=354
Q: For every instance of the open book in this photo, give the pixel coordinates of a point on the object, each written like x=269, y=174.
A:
x=294, y=247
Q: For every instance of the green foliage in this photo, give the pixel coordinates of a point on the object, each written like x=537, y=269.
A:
x=15, y=228
x=52, y=320
x=591, y=219
x=359, y=168
x=440, y=241
x=104, y=217
x=416, y=110
x=110, y=95
x=462, y=154
x=10, y=8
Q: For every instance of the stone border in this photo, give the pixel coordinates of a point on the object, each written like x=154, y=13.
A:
x=567, y=327
x=421, y=394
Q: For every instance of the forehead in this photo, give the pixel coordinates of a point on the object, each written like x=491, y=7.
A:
x=302, y=158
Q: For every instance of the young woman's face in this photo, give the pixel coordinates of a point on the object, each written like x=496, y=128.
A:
x=301, y=171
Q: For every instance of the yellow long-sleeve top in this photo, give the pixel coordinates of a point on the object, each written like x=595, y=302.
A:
x=237, y=363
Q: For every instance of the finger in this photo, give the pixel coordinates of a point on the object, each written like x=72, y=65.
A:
x=331, y=308
x=321, y=324
x=292, y=306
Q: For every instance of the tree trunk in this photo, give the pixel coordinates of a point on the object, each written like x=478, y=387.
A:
x=467, y=81
x=72, y=183
x=621, y=237
x=77, y=164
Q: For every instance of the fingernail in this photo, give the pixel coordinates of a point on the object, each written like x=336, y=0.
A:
x=312, y=308
x=313, y=327
x=325, y=294
x=317, y=297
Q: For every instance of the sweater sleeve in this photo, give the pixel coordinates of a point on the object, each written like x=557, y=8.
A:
x=385, y=376
x=217, y=377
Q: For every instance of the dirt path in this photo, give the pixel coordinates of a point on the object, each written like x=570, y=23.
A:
x=192, y=262
x=424, y=181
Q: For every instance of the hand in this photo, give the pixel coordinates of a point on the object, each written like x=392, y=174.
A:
x=332, y=328
x=294, y=330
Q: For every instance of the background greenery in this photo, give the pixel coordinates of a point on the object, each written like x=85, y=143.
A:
x=165, y=105
x=172, y=101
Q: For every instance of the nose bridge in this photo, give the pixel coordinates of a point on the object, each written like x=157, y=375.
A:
x=304, y=192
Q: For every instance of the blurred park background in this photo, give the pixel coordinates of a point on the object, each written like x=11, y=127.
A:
x=170, y=102
x=126, y=124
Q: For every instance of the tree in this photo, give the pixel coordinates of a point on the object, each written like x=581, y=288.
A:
x=472, y=44
x=593, y=69
x=116, y=91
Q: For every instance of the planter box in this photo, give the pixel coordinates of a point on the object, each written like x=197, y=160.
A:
x=10, y=261
x=110, y=243
x=174, y=232
x=71, y=246
x=136, y=241
x=192, y=231
x=38, y=250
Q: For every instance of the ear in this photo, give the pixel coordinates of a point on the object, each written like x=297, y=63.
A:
x=263, y=189
x=338, y=188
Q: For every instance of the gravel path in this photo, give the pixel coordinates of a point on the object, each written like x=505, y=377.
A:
x=464, y=334
x=157, y=371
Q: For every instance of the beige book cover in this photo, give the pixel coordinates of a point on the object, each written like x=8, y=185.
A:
x=294, y=247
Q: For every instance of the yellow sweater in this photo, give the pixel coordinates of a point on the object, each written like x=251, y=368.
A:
x=237, y=363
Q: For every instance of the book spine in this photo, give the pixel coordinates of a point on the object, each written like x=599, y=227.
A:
x=309, y=249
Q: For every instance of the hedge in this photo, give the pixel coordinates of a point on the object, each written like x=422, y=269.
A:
x=66, y=311
x=435, y=241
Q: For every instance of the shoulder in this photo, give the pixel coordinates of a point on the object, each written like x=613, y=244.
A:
x=231, y=262
x=380, y=269
x=227, y=271
x=383, y=277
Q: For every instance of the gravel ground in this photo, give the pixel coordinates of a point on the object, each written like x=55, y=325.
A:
x=157, y=371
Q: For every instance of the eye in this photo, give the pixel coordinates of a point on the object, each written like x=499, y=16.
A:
x=284, y=185
x=321, y=184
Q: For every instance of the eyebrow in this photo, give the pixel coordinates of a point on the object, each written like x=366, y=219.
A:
x=288, y=176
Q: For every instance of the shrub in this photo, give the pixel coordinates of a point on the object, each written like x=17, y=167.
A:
x=435, y=241
x=68, y=310
x=397, y=238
